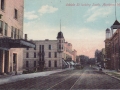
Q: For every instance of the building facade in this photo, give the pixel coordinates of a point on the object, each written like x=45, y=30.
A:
x=11, y=34
x=49, y=54
x=113, y=46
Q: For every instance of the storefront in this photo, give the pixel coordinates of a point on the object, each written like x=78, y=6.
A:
x=11, y=54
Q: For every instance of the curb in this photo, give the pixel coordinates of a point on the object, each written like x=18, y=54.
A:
x=108, y=74
x=112, y=76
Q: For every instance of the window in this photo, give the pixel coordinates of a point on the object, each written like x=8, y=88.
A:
x=27, y=64
x=12, y=32
x=18, y=34
x=2, y=4
x=55, y=63
x=49, y=47
x=15, y=12
x=35, y=64
x=49, y=64
x=34, y=54
x=59, y=46
x=55, y=54
x=49, y=54
x=27, y=55
x=42, y=47
x=6, y=29
x=1, y=27
x=59, y=41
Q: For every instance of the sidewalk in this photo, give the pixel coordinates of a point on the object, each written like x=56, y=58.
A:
x=11, y=78
x=111, y=73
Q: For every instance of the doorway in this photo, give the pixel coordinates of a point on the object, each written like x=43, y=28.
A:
x=6, y=62
x=14, y=62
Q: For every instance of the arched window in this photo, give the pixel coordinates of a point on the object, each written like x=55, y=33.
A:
x=49, y=64
x=55, y=63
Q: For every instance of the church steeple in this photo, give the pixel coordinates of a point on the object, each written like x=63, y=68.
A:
x=60, y=34
x=60, y=25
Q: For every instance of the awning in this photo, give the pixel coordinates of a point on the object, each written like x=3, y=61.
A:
x=64, y=62
x=7, y=43
x=72, y=63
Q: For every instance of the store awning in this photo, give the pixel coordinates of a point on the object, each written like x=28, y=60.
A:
x=64, y=62
x=7, y=43
x=72, y=63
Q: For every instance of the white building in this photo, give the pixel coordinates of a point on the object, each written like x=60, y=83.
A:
x=11, y=34
x=49, y=53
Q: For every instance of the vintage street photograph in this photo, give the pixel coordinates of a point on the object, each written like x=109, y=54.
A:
x=59, y=44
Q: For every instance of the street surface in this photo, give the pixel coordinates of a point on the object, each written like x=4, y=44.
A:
x=88, y=78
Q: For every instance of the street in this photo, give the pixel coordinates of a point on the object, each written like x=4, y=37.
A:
x=87, y=78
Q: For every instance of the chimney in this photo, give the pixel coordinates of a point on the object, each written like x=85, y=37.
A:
x=25, y=36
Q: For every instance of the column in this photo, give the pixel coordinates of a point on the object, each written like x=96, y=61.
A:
x=2, y=53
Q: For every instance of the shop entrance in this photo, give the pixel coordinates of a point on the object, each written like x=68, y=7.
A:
x=14, y=62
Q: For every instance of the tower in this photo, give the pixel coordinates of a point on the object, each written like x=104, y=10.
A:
x=107, y=33
x=60, y=46
x=116, y=25
x=61, y=41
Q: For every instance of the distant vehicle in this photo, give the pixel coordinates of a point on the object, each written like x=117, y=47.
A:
x=78, y=66
x=100, y=68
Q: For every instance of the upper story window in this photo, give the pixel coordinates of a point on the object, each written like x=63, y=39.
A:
x=27, y=55
x=15, y=31
x=15, y=13
x=59, y=46
x=18, y=34
x=6, y=29
x=49, y=55
x=34, y=54
x=55, y=54
x=1, y=27
x=12, y=32
x=42, y=47
x=2, y=4
x=59, y=41
x=49, y=47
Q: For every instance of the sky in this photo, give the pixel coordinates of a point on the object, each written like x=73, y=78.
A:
x=83, y=22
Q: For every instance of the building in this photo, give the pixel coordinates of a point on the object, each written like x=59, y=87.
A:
x=103, y=64
x=11, y=36
x=98, y=56
x=83, y=59
x=113, y=46
x=49, y=54
x=108, y=64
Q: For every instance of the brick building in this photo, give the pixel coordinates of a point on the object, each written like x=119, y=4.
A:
x=112, y=46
